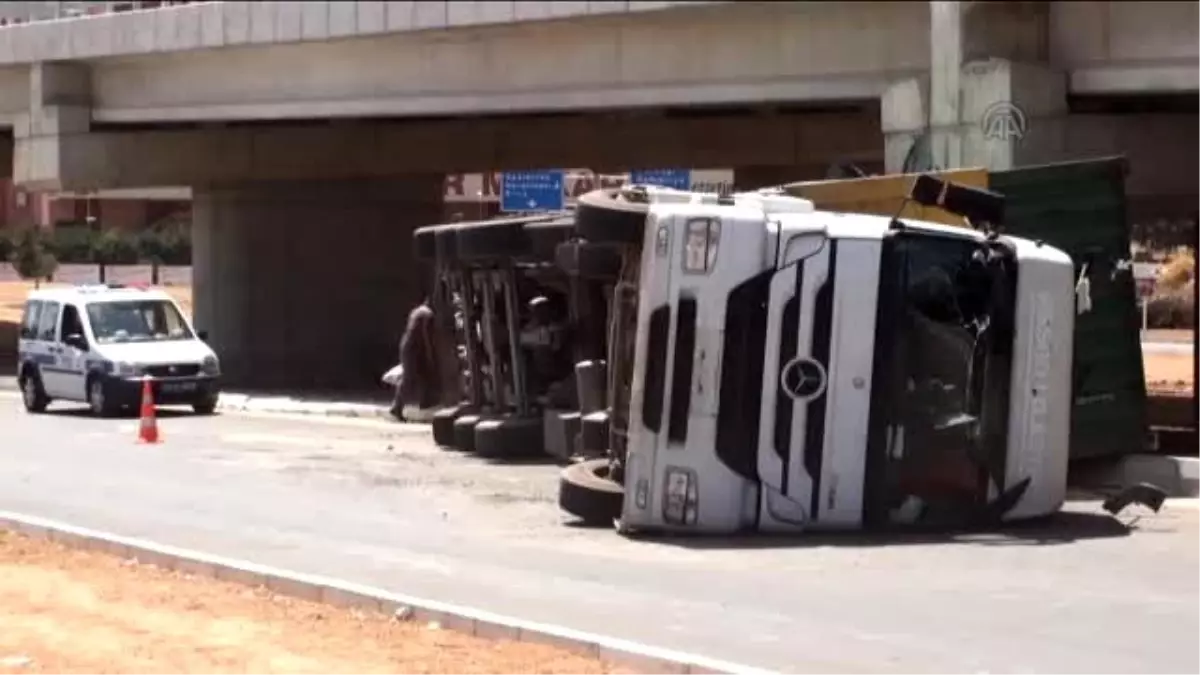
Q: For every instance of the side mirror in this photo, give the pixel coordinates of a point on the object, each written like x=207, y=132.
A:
x=75, y=340
x=203, y=335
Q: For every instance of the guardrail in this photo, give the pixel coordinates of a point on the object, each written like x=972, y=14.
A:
x=35, y=12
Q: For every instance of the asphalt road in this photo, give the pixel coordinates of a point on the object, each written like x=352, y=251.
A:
x=378, y=504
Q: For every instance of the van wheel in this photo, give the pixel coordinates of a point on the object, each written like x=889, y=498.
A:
x=100, y=405
x=205, y=407
x=32, y=394
x=587, y=491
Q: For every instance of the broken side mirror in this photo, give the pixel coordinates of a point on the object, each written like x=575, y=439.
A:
x=203, y=335
x=76, y=340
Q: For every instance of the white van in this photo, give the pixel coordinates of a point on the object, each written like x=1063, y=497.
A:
x=96, y=344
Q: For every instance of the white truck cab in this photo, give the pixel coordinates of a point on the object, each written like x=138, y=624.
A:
x=96, y=344
x=804, y=370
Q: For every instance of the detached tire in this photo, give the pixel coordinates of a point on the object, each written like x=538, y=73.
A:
x=607, y=217
x=586, y=492
x=443, y=425
x=510, y=438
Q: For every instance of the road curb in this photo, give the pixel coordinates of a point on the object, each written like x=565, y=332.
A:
x=340, y=593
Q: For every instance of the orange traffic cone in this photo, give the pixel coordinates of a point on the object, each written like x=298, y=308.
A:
x=148, y=426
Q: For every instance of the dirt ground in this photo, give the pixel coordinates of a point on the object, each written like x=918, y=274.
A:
x=71, y=611
x=12, y=298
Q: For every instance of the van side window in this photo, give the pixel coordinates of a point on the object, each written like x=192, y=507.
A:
x=29, y=322
x=48, y=322
x=70, y=322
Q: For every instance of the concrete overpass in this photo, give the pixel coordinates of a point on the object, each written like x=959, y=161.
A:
x=250, y=102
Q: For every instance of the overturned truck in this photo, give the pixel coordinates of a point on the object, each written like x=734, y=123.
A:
x=523, y=327
x=797, y=369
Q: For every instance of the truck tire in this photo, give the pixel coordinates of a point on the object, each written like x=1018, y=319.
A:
x=425, y=243
x=464, y=432
x=443, y=425
x=545, y=237
x=588, y=261
x=510, y=438
x=591, y=385
x=586, y=492
x=445, y=244
x=606, y=217
x=593, y=434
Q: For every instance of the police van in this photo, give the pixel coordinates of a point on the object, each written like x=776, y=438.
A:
x=96, y=345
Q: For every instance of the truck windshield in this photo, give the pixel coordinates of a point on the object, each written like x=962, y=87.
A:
x=136, y=321
x=939, y=419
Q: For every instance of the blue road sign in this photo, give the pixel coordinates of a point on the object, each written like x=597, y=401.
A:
x=531, y=190
x=680, y=179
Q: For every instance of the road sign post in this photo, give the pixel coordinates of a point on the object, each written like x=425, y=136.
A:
x=532, y=191
x=680, y=179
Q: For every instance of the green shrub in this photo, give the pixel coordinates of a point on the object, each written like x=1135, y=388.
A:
x=1173, y=309
x=116, y=248
x=31, y=255
x=74, y=244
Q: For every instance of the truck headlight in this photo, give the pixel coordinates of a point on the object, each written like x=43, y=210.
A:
x=700, y=245
x=210, y=366
x=680, y=496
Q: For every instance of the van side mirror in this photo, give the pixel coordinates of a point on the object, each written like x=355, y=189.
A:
x=75, y=340
x=203, y=335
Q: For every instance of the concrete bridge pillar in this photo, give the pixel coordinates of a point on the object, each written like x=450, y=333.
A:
x=308, y=283
x=60, y=106
x=990, y=98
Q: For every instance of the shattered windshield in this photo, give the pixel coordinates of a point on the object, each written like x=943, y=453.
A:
x=136, y=321
x=942, y=310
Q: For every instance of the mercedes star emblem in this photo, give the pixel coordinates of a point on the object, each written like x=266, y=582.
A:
x=802, y=379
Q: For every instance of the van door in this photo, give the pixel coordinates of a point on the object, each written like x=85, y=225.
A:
x=72, y=359
x=49, y=353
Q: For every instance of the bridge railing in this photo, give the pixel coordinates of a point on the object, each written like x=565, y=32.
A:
x=16, y=13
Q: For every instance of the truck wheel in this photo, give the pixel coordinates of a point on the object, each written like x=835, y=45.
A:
x=510, y=438
x=593, y=434
x=588, y=261
x=445, y=244
x=503, y=238
x=443, y=425
x=545, y=237
x=464, y=432
x=607, y=217
x=586, y=492
x=425, y=243
x=33, y=395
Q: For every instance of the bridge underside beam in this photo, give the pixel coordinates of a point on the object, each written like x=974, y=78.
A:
x=218, y=155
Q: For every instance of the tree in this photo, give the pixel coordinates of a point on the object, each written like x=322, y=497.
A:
x=31, y=256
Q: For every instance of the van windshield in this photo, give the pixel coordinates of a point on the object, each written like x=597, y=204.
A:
x=136, y=321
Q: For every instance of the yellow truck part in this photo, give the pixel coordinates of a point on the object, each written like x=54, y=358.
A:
x=883, y=195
